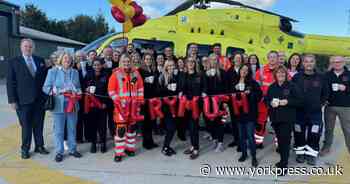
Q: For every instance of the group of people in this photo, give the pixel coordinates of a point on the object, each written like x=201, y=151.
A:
x=291, y=94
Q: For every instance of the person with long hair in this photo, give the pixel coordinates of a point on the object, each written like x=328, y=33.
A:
x=160, y=60
x=168, y=87
x=192, y=87
x=294, y=64
x=283, y=98
x=213, y=82
x=254, y=63
x=246, y=86
x=149, y=75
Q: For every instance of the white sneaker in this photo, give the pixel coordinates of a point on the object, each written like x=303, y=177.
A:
x=215, y=144
x=65, y=145
x=220, y=148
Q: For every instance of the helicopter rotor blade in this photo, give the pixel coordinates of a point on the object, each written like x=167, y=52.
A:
x=189, y=3
x=182, y=7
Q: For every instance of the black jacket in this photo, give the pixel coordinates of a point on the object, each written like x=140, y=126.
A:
x=22, y=87
x=288, y=91
x=254, y=97
x=163, y=90
x=149, y=88
x=192, y=85
x=230, y=78
x=101, y=83
x=214, y=85
x=314, y=90
x=338, y=98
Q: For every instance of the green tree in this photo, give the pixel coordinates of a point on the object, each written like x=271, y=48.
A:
x=33, y=17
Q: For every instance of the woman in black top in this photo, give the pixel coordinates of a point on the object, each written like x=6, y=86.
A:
x=213, y=84
x=96, y=82
x=168, y=86
x=283, y=98
x=192, y=87
x=246, y=85
x=150, y=77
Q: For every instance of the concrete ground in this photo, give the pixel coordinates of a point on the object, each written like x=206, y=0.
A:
x=148, y=166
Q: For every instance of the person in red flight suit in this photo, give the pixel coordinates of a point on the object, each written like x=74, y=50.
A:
x=265, y=78
x=225, y=63
x=125, y=85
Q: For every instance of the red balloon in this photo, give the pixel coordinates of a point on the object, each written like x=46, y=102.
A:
x=136, y=110
x=237, y=104
x=155, y=108
x=137, y=8
x=211, y=115
x=171, y=102
x=139, y=20
x=191, y=105
x=118, y=15
x=223, y=99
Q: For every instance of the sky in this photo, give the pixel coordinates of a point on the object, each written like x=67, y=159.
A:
x=325, y=17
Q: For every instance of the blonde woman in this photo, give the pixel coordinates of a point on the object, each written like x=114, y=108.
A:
x=168, y=86
x=60, y=81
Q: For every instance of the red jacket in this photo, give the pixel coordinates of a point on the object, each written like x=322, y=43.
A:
x=123, y=88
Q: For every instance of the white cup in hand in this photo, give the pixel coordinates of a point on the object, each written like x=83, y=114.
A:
x=92, y=89
x=276, y=102
x=335, y=87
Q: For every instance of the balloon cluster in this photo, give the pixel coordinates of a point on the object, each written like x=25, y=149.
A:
x=129, y=13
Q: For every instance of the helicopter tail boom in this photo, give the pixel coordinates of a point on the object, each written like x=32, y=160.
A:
x=327, y=45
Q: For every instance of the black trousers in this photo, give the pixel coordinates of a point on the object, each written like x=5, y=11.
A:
x=193, y=126
x=170, y=127
x=147, y=126
x=97, y=120
x=234, y=123
x=283, y=132
x=216, y=129
x=31, y=118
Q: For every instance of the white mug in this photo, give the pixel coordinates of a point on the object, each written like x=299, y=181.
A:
x=335, y=87
x=276, y=101
x=241, y=86
x=212, y=72
x=150, y=79
x=173, y=87
x=92, y=89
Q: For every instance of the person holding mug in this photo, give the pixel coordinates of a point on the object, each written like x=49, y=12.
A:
x=283, y=98
x=64, y=85
x=246, y=87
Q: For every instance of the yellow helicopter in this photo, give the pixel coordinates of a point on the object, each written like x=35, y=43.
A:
x=240, y=28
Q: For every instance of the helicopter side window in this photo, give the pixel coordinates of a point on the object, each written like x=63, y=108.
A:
x=157, y=45
x=203, y=50
x=232, y=50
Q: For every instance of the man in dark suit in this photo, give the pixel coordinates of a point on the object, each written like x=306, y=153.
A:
x=25, y=78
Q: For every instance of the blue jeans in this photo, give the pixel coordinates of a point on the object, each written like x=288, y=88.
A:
x=246, y=132
x=59, y=121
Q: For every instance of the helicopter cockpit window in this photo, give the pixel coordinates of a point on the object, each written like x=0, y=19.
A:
x=232, y=50
x=203, y=50
x=157, y=45
x=117, y=43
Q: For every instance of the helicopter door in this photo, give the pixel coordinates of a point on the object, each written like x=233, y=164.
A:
x=157, y=45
